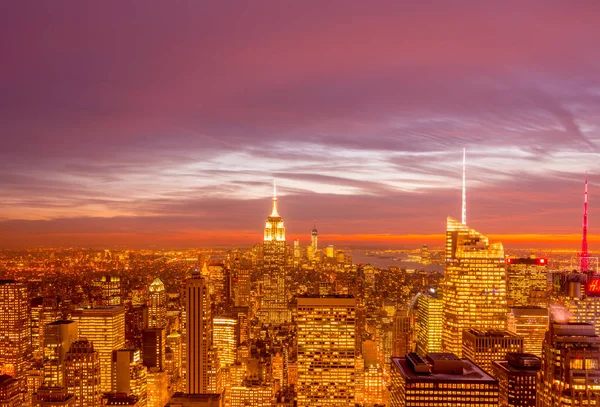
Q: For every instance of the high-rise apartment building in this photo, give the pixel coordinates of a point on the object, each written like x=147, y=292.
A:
x=474, y=285
x=526, y=283
x=517, y=379
x=440, y=379
x=274, y=307
x=483, y=347
x=58, y=337
x=157, y=308
x=198, y=335
x=570, y=370
x=15, y=331
x=402, y=333
x=428, y=324
x=326, y=347
x=105, y=327
x=225, y=339
x=531, y=324
x=83, y=374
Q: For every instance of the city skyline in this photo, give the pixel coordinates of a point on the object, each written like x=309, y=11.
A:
x=168, y=131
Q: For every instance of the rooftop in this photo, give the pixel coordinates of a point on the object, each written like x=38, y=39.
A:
x=471, y=372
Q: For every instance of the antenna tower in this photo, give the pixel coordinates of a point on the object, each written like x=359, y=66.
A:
x=464, y=188
x=584, y=264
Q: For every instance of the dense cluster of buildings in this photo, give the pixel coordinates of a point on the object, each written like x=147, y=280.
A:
x=284, y=326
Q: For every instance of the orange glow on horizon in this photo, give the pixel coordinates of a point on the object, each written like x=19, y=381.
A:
x=193, y=238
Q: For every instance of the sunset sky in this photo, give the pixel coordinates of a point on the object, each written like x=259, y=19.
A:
x=164, y=123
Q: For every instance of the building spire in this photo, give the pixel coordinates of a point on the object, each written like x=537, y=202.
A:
x=464, y=188
x=274, y=212
x=584, y=263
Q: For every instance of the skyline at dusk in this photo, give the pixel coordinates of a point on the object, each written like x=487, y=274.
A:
x=165, y=125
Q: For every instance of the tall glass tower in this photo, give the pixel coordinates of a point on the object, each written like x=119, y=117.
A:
x=474, y=285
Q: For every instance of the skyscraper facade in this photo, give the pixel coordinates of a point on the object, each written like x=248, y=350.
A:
x=570, y=370
x=483, y=347
x=274, y=307
x=314, y=239
x=429, y=323
x=83, y=374
x=402, y=335
x=440, y=379
x=199, y=335
x=58, y=337
x=224, y=339
x=157, y=309
x=326, y=349
x=474, y=285
x=14, y=328
x=531, y=324
x=111, y=290
x=517, y=379
x=526, y=281
x=105, y=327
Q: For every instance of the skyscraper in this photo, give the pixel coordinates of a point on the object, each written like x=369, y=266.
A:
x=111, y=290
x=570, y=367
x=14, y=328
x=483, y=347
x=517, y=379
x=474, y=285
x=83, y=375
x=157, y=310
x=44, y=310
x=402, y=342
x=314, y=236
x=440, y=379
x=105, y=327
x=224, y=339
x=241, y=287
x=526, y=281
x=429, y=323
x=326, y=348
x=10, y=394
x=129, y=374
x=274, y=308
x=199, y=335
x=153, y=348
x=531, y=324
x=58, y=337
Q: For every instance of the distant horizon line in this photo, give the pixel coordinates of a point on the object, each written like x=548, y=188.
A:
x=371, y=241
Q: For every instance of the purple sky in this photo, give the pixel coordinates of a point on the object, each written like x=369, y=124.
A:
x=165, y=122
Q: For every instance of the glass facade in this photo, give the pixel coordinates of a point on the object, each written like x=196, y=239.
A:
x=474, y=285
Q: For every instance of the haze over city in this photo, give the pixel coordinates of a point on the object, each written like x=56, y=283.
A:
x=162, y=125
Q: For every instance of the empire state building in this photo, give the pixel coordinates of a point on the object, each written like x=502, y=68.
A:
x=274, y=308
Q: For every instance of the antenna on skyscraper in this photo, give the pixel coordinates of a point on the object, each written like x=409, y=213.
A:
x=464, y=188
x=274, y=189
x=584, y=264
